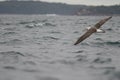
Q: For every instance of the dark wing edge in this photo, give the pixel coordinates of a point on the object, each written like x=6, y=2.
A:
x=83, y=37
x=100, y=23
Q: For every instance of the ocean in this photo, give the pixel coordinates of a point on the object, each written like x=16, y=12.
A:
x=41, y=47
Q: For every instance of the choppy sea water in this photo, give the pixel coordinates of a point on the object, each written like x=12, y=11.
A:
x=40, y=47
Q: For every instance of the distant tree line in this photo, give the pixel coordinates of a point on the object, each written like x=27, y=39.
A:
x=38, y=7
x=101, y=10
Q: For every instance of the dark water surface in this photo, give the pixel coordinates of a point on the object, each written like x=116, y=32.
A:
x=40, y=47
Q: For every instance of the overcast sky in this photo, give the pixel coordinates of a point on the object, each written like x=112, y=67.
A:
x=84, y=2
x=87, y=2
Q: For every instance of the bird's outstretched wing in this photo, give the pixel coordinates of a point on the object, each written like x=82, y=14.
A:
x=84, y=36
x=100, y=23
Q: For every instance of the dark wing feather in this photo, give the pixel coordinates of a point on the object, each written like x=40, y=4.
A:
x=84, y=36
x=100, y=23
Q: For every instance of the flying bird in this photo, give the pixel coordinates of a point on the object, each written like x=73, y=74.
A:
x=91, y=30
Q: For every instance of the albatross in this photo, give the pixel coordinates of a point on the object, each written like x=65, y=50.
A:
x=91, y=30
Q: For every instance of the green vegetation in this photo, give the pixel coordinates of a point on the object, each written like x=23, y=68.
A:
x=37, y=7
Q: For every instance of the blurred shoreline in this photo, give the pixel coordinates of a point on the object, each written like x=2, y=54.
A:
x=39, y=7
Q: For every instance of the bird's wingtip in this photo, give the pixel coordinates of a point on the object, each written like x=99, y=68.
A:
x=75, y=43
x=110, y=17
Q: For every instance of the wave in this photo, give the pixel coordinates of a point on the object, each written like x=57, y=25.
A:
x=99, y=39
x=51, y=15
x=8, y=33
x=10, y=57
x=32, y=25
x=50, y=37
x=10, y=28
x=33, y=21
x=6, y=23
x=49, y=24
x=55, y=32
x=115, y=75
x=9, y=67
x=113, y=43
x=102, y=60
x=110, y=43
x=25, y=22
x=11, y=42
x=109, y=29
x=11, y=53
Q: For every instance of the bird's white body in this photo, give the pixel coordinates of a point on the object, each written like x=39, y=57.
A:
x=98, y=30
